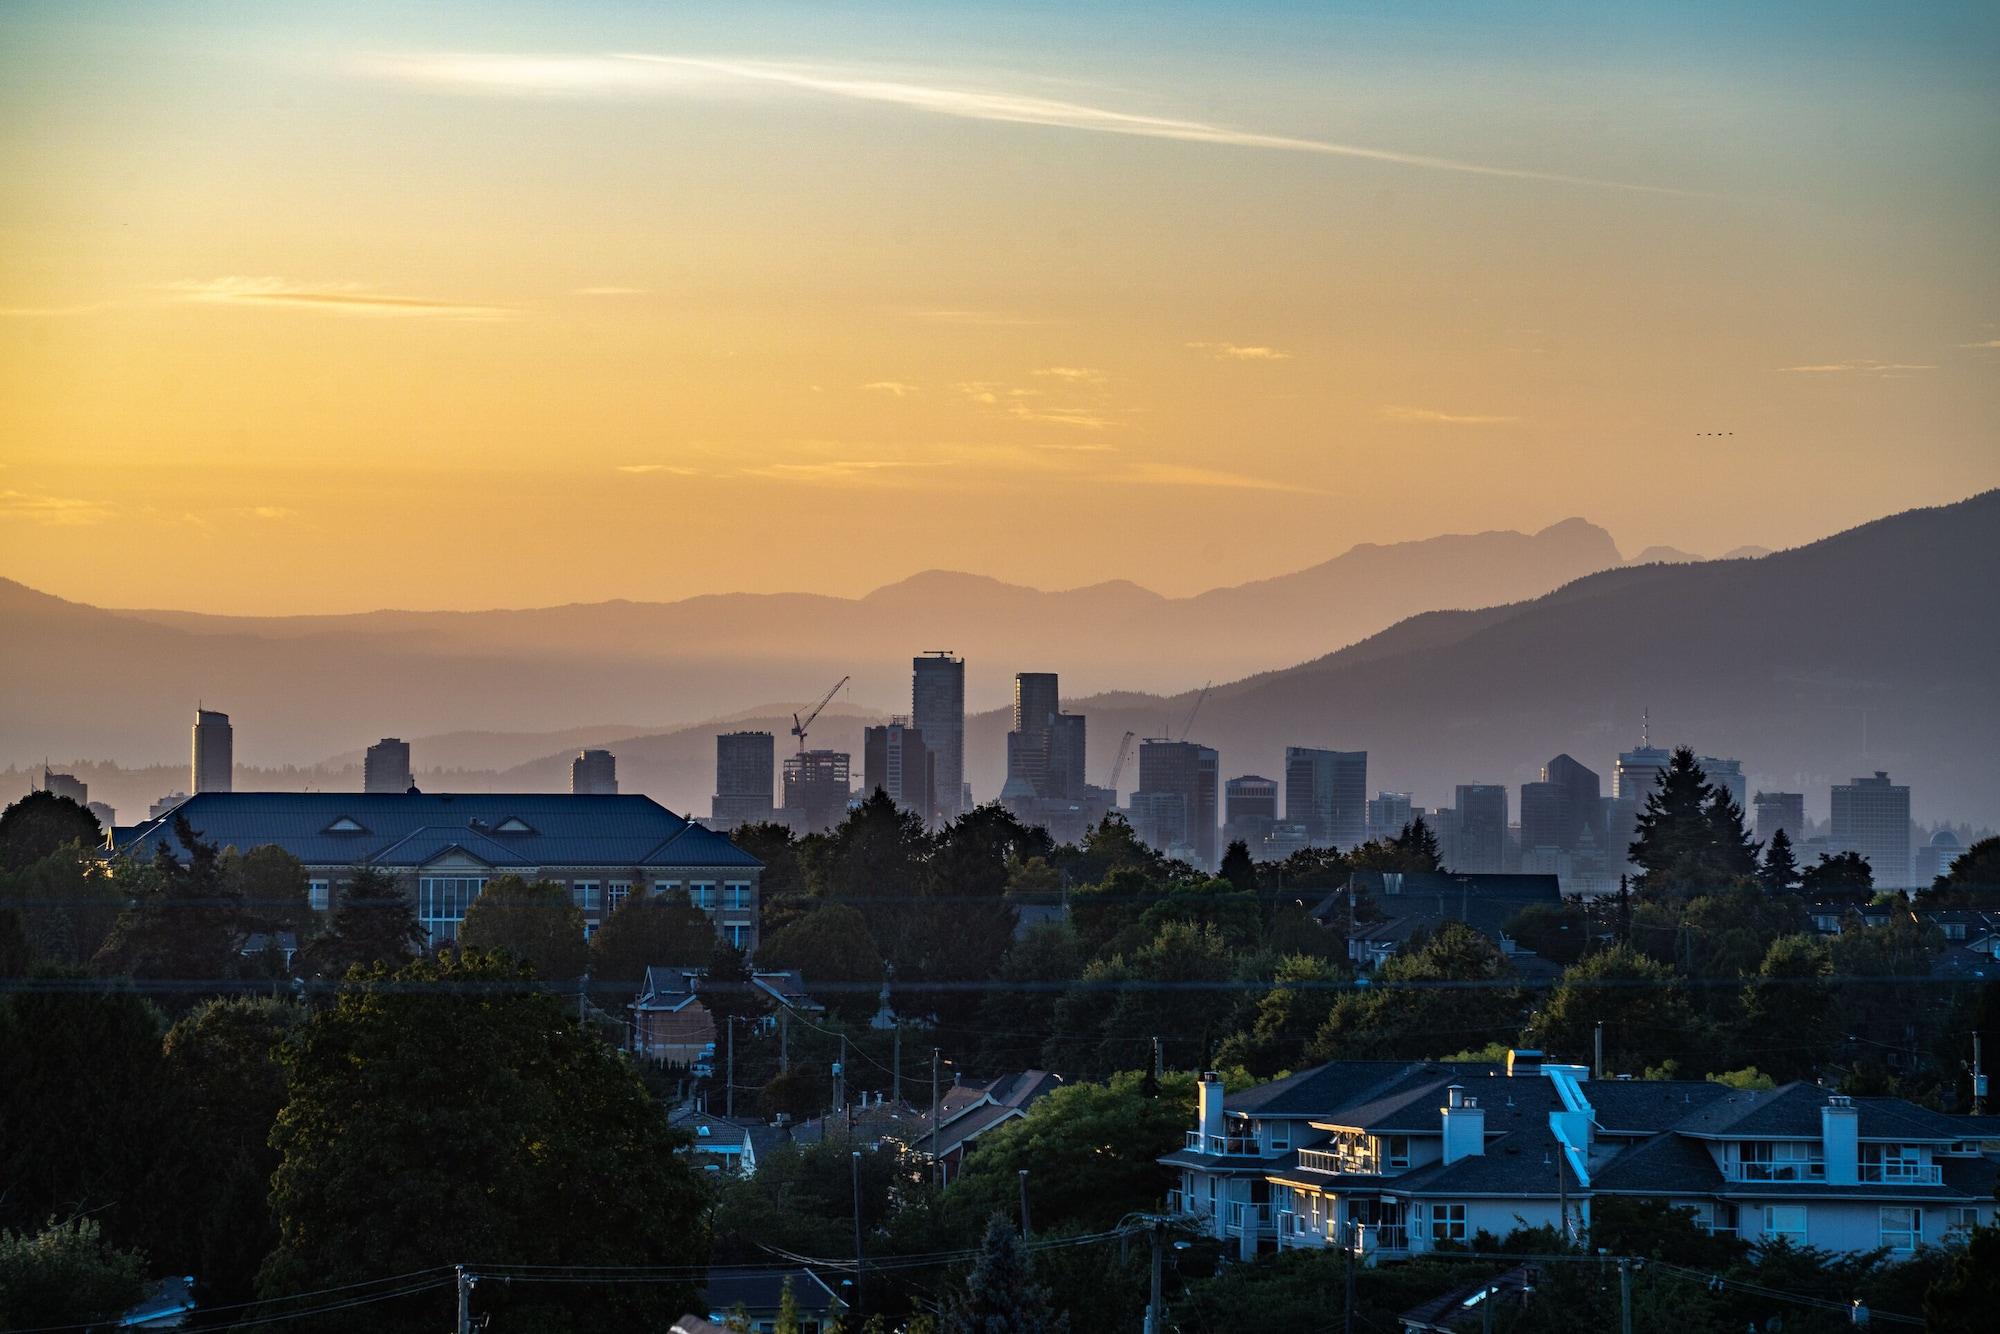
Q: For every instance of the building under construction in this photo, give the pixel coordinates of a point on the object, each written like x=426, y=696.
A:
x=816, y=789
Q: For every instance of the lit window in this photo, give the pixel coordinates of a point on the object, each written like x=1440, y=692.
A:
x=1902, y=1227
x=1785, y=1222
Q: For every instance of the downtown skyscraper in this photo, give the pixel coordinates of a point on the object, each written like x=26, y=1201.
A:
x=937, y=709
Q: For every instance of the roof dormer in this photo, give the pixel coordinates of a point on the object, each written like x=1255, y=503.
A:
x=513, y=824
x=346, y=824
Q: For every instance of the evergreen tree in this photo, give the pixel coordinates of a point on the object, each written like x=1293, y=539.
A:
x=373, y=922
x=272, y=884
x=186, y=920
x=1237, y=868
x=831, y=949
x=41, y=822
x=1780, y=872
x=1844, y=875
x=1689, y=838
x=1418, y=845
x=1001, y=1295
x=1787, y=1024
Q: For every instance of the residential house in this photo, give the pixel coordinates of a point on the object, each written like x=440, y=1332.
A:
x=968, y=1110
x=754, y=1297
x=671, y=1026
x=1387, y=908
x=1395, y=1159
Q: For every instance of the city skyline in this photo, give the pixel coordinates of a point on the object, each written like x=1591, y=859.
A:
x=1249, y=270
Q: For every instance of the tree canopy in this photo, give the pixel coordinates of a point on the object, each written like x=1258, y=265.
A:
x=41, y=822
x=534, y=922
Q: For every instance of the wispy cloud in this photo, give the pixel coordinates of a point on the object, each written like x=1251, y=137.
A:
x=1179, y=474
x=1072, y=374
x=273, y=512
x=624, y=74
x=608, y=291
x=895, y=387
x=1859, y=367
x=672, y=469
x=1432, y=416
x=1240, y=352
x=335, y=298
x=49, y=312
x=996, y=319
x=871, y=472
x=52, y=511
x=1991, y=342
x=1084, y=418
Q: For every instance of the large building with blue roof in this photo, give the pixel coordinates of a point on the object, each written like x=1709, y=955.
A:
x=445, y=846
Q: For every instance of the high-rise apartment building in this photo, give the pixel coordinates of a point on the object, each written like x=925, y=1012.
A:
x=1327, y=792
x=1064, y=774
x=1727, y=775
x=594, y=773
x=937, y=709
x=1192, y=773
x=386, y=767
x=745, y=776
x=1388, y=812
x=1780, y=810
x=1871, y=816
x=1249, y=809
x=1558, y=811
x=895, y=760
x=213, y=768
x=817, y=789
x=65, y=785
x=1481, y=846
x=1037, y=702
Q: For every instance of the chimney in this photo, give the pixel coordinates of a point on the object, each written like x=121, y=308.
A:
x=1523, y=1061
x=1464, y=1125
x=1208, y=1107
x=1840, y=1140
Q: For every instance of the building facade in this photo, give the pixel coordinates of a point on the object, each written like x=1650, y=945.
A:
x=386, y=767
x=1327, y=792
x=1249, y=809
x=1192, y=773
x=1780, y=810
x=213, y=766
x=1481, y=843
x=1871, y=816
x=895, y=760
x=745, y=776
x=594, y=773
x=937, y=709
x=1388, y=812
x=817, y=788
x=443, y=848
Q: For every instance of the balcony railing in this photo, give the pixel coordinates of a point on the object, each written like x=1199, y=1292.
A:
x=1231, y=1146
x=1337, y=1162
x=1898, y=1172
x=1794, y=1171
x=1371, y=1237
x=1245, y=1217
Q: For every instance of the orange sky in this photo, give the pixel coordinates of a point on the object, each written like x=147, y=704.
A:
x=484, y=308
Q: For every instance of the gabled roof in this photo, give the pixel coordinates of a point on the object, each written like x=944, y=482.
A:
x=1793, y=1112
x=410, y=828
x=1666, y=1164
x=759, y=1291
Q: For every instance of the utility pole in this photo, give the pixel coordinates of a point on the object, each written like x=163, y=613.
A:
x=464, y=1301
x=1159, y=1061
x=729, y=1073
x=1155, y=1317
x=1347, y=1304
x=1624, y=1295
x=1598, y=1068
x=1978, y=1079
x=896, y=1066
x=1023, y=1174
x=784, y=1039
x=937, y=1163
x=855, y=1159
x=840, y=1078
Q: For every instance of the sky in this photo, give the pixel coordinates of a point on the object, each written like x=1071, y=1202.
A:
x=327, y=308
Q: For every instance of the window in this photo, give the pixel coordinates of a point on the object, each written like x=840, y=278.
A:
x=1785, y=1222
x=702, y=894
x=1793, y=1160
x=736, y=895
x=663, y=886
x=318, y=894
x=1893, y=1162
x=1398, y=1150
x=738, y=934
x=1447, y=1222
x=616, y=893
x=1281, y=1135
x=1902, y=1227
x=587, y=895
x=1959, y=1220
x=442, y=901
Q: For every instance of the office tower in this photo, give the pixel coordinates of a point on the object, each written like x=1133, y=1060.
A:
x=1388, y=812
x=1933, y=858
x=106, y=815
x=65, y=785
x=1583, y=794
x=745, y=773
x=1481, y=845
x=1035, y=700
x=214, y=765
x=594, y=773
x=1871, y=816
x=937, y=709
x=1727, y=775
x=1191, y=772
x=387, y=767
x=1063, y=775
x=1036, y=704
x=1545, y=817
x=895, y=760
x=1327, y=792
x=1249, y=809
x=1159, y=820
x=165, y=804
x=816, y=789
x=1780, y=810
x=1638, y=772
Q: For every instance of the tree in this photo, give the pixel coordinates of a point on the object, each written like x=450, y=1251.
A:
x=1689, y=837
x=1126, y=1001
x=185, y=921
x=1237, y=868
x=1646, y=1017
x=67, y=905
x=1291, y=1013
x=781, y=890
x=450, y=1109
x=535, y=923
x=1963, y=1299
x=1001, y=1295
x=1414, y=848
x=272, y=885
x=221, y=1084
x=1561, y=933
x=727, y=987
x=1019, y=1015
x=66, y=1275
x=1434, y=996
x=41, y=822
x=77, y=1119
x=1972, y=879
x=1788, y=1018
x=976, y=854
x=1780, y=872
x=372, y=922
x=1844, y=874
x=832, y=950
x=801, y=1199
x=648, y=930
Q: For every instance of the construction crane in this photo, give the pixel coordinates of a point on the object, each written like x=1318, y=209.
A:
x=799, y=727
x=1196, y=709
x=1118, y=765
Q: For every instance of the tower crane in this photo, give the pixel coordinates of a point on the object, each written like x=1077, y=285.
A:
x=1186, y=726
x=1118, y=765
x=799, y=726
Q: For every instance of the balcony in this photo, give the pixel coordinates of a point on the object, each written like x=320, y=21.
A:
x=1902, y=1172
x=1796, y=1171
x=1373, y=1237
x=1338, y=1163
x=1249, y=1219
x=1179, y=1202
x=1227, y=1146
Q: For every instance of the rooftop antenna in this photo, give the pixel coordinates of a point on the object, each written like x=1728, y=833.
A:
x=1645, y=728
